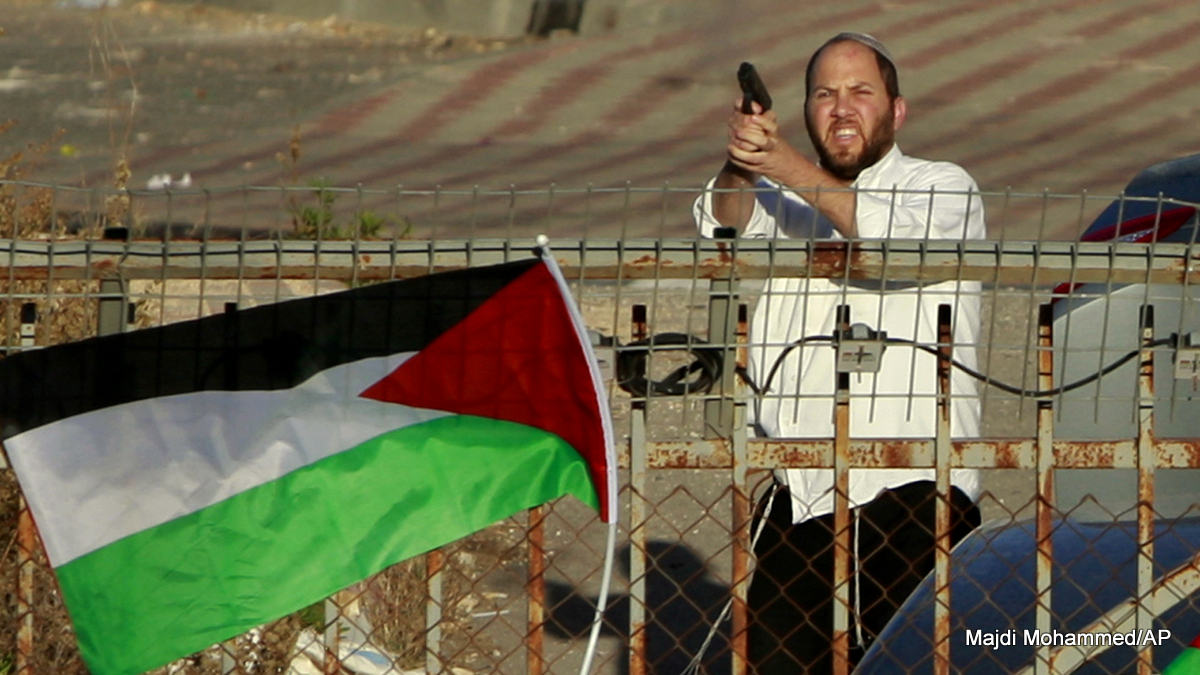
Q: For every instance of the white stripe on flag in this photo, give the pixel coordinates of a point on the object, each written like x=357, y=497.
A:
x=94, y=478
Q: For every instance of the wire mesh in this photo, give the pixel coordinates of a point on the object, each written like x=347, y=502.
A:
x=672, y=321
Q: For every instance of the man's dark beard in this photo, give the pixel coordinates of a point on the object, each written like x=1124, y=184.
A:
x=882, y=138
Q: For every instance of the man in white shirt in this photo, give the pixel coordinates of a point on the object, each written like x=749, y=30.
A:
x=864, y=188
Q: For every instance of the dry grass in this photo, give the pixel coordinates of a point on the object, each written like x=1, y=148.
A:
x=54, y=649
x=9, y=616
x=394, y=601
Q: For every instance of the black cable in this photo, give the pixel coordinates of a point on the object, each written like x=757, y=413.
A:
x=709, y=361
x=1011, y=389
x=1042, y=393
x=745, y=374
x=706, y=365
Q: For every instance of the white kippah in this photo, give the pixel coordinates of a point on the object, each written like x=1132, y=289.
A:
x=863, y=39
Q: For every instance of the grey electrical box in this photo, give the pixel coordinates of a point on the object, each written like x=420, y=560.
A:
x=860, y=349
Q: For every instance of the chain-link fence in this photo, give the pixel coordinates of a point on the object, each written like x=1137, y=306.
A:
x=1085, y=446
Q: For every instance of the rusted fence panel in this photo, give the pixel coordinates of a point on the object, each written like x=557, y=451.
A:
x=519, y=596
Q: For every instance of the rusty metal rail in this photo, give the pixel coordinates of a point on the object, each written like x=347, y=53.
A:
x=991, y=453
x=1006, y=263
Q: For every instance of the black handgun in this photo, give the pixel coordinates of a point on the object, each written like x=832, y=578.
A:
x=753, y=89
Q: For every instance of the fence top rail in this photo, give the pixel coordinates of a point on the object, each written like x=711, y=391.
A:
x=171, y=191
x=998, y=262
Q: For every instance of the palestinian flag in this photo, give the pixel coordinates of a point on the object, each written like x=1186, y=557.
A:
x=1188, y=662
x=196, y=480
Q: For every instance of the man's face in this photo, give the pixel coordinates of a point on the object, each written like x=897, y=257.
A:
x=850, y=119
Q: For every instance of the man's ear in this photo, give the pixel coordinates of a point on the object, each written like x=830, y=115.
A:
x=899, y=112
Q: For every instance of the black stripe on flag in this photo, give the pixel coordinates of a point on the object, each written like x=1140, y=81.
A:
x=263, y=348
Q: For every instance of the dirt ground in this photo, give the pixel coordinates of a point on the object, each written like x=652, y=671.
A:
x=94, y=86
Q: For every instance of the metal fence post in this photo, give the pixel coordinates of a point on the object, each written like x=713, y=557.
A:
x=722, y=333
x=112, y=310
x=743, y=509
x=535, y=637
x=333, y=636
x=1147, y=461
x=841, y=513
x=941, y=608
x=1045, y=480
x=26, y=535
x=435, y=561
x=638, y=517
x=26, y=543
x=29, y=317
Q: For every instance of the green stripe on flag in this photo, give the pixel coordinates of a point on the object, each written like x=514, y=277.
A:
x=1187, y=663
x=192, y=582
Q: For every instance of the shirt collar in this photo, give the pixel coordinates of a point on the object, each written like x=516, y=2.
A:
x=873, y=173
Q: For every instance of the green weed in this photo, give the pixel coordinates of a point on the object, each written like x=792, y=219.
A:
x=314, y=213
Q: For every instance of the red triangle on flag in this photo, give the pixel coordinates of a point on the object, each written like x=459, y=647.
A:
x=517, y=357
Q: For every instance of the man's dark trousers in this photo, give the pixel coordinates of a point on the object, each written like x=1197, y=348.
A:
x=791, y=596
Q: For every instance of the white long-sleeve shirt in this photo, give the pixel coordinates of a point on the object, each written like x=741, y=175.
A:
x=899, y=197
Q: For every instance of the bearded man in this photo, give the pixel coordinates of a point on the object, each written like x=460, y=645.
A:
x=862, y=187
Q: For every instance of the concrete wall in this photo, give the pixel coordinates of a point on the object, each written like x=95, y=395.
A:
x=491, y=18
x=484, y=18
x=601, y=16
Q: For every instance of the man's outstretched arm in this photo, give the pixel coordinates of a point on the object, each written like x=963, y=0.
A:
x=756, y=149
x=733, y=197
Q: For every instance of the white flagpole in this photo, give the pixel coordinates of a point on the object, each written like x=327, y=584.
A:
x=610, y=515
x=602, y=601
